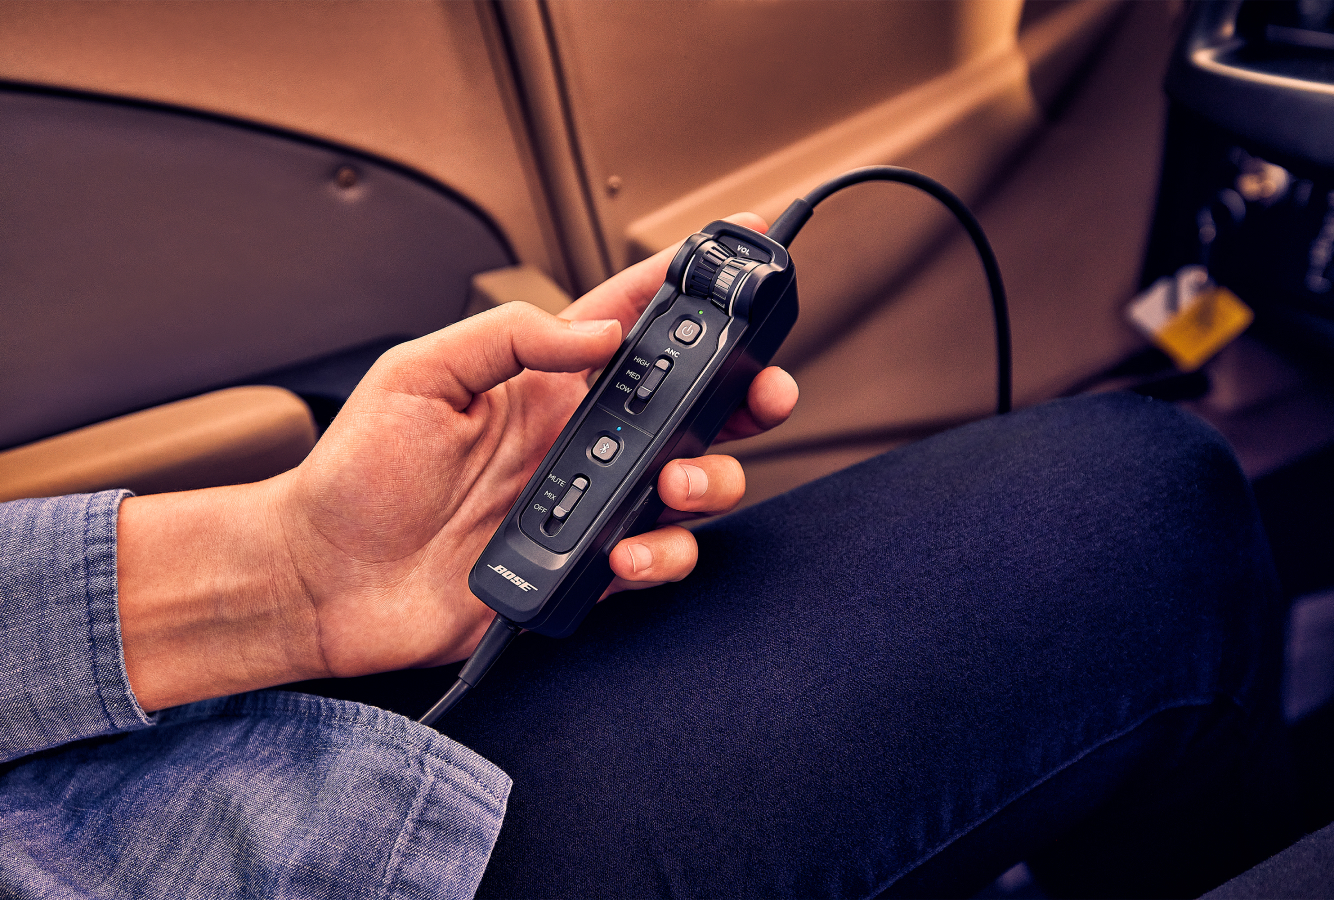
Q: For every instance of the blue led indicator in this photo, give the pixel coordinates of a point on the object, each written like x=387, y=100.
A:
x=618, y=428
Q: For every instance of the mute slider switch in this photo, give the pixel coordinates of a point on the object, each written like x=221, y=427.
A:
x=562, y=510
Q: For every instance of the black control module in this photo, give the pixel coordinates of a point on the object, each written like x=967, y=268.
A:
x=729, y=302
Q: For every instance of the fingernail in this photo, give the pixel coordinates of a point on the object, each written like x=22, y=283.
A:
x=697, y=481
x=592, y=326
x=641, y=557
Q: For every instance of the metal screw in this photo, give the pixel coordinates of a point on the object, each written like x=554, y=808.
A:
x=345, y=177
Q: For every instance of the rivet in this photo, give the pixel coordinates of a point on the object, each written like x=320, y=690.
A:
x=345, y=177
x=614, y=185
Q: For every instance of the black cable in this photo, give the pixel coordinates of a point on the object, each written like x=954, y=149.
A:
x=796, y=215
x=489, y=648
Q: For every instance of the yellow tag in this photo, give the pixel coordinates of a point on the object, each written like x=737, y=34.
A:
x=1203, y=327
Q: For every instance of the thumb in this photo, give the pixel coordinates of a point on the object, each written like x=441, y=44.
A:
x=476, y=354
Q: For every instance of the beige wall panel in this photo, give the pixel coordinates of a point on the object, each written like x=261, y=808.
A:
x=666, y=97
x=679, y=121
x=420, y=83
x=542, y=88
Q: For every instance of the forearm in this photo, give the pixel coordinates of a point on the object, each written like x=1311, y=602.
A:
x=209, y=602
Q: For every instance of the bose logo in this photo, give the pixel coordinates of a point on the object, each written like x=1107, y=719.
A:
x=510, y=576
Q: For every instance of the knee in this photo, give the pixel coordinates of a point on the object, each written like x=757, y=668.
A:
x=1137, y=434
x=1117, y=522
x=1149, y=508
x=1138, y=466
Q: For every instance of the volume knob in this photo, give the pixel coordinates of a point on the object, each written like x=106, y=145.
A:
x=729, y=281
x=704, y=265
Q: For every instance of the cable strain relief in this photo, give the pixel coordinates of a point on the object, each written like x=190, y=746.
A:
x=489, y=648
x=785, y=228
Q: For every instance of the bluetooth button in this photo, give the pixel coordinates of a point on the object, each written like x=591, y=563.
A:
x=604, y=449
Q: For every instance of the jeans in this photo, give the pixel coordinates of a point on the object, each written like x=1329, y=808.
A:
x=1052, y=636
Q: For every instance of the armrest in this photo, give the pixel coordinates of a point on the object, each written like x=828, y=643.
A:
x=231, y=436
x=522, y=282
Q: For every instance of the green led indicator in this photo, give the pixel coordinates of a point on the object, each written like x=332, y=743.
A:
x=701, y=312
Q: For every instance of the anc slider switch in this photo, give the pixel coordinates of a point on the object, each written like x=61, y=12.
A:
x=653, y=379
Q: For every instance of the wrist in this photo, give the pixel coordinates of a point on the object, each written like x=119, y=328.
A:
x=210, y=603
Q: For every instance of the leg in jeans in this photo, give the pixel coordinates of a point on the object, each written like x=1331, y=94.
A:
x=911, y=674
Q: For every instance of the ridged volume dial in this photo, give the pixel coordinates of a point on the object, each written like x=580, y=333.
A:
x=709, y=258
x=730, y=278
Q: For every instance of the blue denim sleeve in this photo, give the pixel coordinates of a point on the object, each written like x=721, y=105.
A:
x=265, y=794
x=269, y=794
x=62, y=672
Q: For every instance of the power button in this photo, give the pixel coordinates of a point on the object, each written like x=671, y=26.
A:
x=687, y=331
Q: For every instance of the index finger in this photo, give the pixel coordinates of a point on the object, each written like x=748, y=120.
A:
x=624, y=295
x=477, y=353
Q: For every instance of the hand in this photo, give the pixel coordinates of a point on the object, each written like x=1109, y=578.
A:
x=384, y=532
x=363, y=551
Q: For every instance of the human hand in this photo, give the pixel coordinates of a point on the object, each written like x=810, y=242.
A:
x=380, y=525
x=391, y=510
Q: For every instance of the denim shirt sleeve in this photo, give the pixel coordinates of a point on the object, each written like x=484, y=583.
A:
x=62, y=671
x=268, y=794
